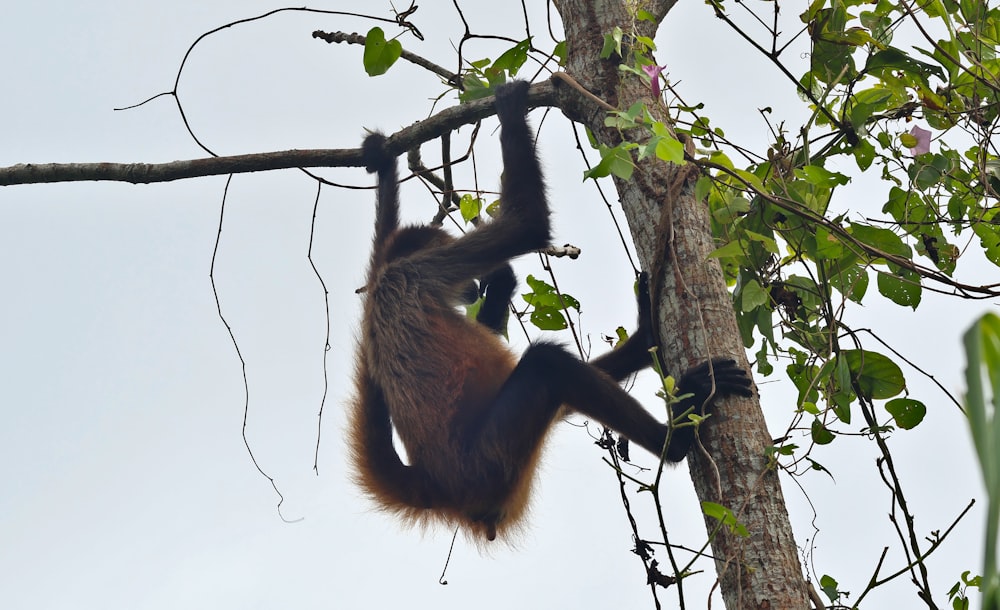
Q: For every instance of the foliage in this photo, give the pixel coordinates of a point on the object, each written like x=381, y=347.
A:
x=774, y=215
x=547, y=304
x=982, y=349
x=916, y=111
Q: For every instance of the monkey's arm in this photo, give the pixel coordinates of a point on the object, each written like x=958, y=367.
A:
x=523, y=224
x=497, y=289
x=377, y=160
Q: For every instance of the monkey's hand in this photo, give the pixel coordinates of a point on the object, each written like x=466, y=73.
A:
x=512, y=100
x=373, y=153
x=722, y=375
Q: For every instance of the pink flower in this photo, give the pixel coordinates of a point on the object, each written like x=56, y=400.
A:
x=923, y=141
x=654, y=77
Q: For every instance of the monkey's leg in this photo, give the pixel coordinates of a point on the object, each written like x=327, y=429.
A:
x=546, y=378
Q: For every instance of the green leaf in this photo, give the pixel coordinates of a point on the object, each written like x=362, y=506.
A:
x=751, y=180
x=924, y=175
x=548, y=318
x=545, y=294
x=906, y=412
x=726, y=517
x=612, y=43
x=380, y=53
x=829, y=585
x=548, y=305
x=842, y=390
x=882, y=239
x=822, y=177
x=559, y=52
x=864, y=154
x=764, y=366
x=989, y=238
x=803, y=377
x=852, y=282
x=982, y=352
x=702, y=188
x=827, y=244
x=753, y=295
x=647, y=42
x=766, y=241
x=470, y=207
x=731, y=209
x=513, y=58
x=820, y=434
x=811, y=408
x=903, y=291
x=866, y=103
x=730, y=250
x=818, y=467
x=615, y=161
x=670, y=149
x=877, y=377
x=894, y=59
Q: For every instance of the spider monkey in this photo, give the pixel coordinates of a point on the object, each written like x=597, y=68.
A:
x=472, y=417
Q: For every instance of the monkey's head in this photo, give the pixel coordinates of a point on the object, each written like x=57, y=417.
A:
x=410, y=240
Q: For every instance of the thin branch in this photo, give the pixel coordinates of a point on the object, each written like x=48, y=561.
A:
x=243, y=362
x=338, y=37
x=449, y=119
x=326, y=339
x=233, y=24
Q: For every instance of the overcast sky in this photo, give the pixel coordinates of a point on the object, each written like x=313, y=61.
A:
x=128, y=483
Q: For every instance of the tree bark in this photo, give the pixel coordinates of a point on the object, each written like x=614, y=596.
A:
x=696, y=320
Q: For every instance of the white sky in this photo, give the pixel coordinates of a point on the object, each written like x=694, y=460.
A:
x=128, y=485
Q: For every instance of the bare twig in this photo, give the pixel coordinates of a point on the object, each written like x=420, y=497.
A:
x=338, y=37
x=541, y=94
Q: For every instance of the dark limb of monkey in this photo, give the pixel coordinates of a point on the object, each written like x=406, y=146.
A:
x=548, y=377
x=496, y=288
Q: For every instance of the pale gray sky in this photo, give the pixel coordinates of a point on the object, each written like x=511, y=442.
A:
x=128, y=485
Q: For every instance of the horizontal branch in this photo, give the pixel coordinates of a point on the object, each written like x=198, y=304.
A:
x=449, y=119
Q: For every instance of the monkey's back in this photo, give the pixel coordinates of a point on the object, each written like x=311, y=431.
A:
x=436, y=367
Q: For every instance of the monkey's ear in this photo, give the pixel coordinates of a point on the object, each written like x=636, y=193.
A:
x=373, y=153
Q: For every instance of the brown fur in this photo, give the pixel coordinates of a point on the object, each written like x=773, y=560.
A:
x=473, y=418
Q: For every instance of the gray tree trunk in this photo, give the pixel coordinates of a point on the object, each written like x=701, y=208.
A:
x=696, y=320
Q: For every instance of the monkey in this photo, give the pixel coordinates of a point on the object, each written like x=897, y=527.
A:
x=471, y=417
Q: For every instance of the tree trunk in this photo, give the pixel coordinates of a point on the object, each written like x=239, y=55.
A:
x=696, y=319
